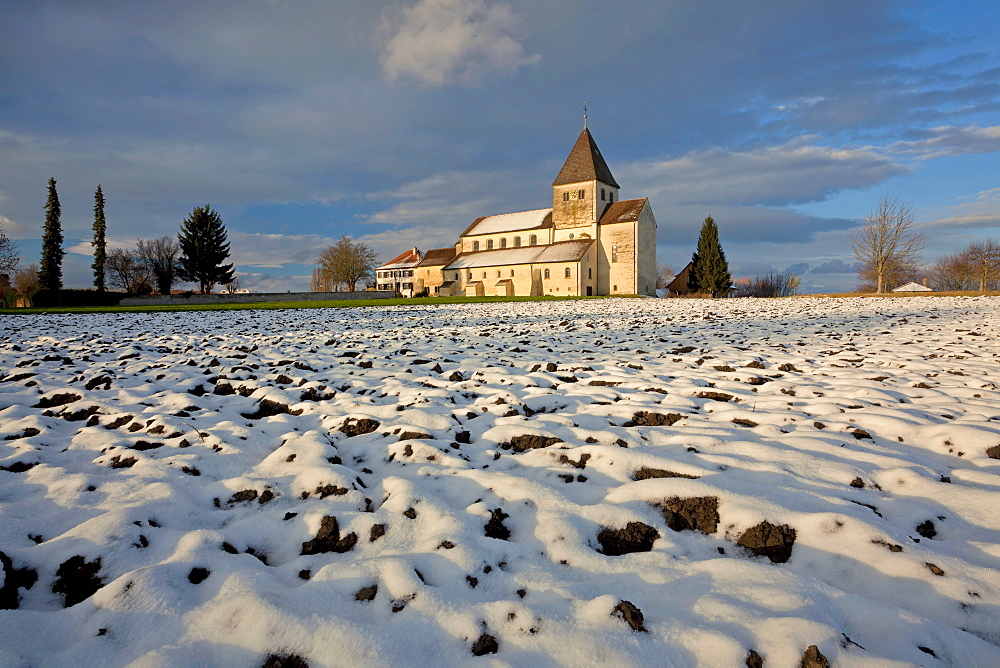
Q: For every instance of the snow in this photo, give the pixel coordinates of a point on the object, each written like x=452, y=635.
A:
x=510, y=222
x=859, y=421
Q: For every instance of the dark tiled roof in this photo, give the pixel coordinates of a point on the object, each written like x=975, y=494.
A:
x=438, y=257
x=624, y=211
x=585, y=163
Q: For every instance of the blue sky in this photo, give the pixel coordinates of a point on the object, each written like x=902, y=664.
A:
x=398, y=123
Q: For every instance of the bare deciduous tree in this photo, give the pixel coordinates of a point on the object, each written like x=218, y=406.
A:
x=664, y=274
x=346, y=263
x=161, y=258
x=9, y=258
x=27, y=282
x=233, y=286
x=953, y=272
x=126, y=271
x=318, y=282
x=887, y=245
x=984, y=257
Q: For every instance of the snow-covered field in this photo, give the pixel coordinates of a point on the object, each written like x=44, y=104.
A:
x=620, y=482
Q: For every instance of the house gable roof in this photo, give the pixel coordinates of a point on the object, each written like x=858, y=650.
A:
x=585, y=163
x=404, y=260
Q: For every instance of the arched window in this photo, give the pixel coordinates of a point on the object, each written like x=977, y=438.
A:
x=533, y=240
x=517, y=242
x=498, y=273
x=503, y=243
x=489, y=244
x=512, y=273
x=546, y=273
x=567, y=272
x=475, y=245
x=614, y=252
x=470, y=275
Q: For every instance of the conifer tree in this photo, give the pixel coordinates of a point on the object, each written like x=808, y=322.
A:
x=100, y=243
x=204, y=248
x=50, y=271
x=709, y=269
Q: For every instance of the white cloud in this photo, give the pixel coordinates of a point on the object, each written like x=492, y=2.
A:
x=982, y=211
x=443, y=42
x=949, y=140
x=791, y=173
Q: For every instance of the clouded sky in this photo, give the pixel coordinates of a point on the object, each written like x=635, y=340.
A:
x=398, y=123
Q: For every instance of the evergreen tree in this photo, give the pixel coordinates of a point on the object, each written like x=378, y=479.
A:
x=709, y=269
x=204, y=248
x=100, y=243
x=50, y=272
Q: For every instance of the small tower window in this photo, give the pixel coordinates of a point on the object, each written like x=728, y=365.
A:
x=512, y=273
x=517, y=242
x=583, y=194
x=614, y=253
x=547, y=273
x=489, y=244
x=602, y=194
x=612, y=197
x=498, y=273
x=568, y=273
x=566, y=197
x=503, y=243
x=533, y=240
x=475, y=245
x=590, y=273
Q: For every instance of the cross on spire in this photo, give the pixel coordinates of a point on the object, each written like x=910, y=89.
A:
x=584, y=115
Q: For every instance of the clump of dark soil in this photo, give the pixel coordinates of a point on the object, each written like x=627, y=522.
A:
x=743, y=422
x=698, y=513
x=635, y=537
x=359, y=427
x=645, y=473
x=198, y=575
x=77, y=580
x=330, y=490
x=119, y=462
x=414, y=435
x=57, y=400
x=495, y=528
x=647, y=419
x=243, y=496
x=284, y=661
x=630, y=613
x=714, y=396
x=530, y=442
x=328, y=538
x=993, y=452
x=19, y=467
x=378, y=530
x=769, y=540
x=267, y=408
x=813, y=658
x=926, y=529
x=366, y=593
x=485, y=644
x=860, y=434
x=14, y=579
x=754, y=660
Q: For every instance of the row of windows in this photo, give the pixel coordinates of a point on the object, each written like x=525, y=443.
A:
x=606, y=195
x=532, y=241
x=394, y=286
x=567, y=273
x=403, y=273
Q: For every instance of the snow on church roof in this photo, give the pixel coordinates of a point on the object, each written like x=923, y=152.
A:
x=564, y=251
x=510, y=222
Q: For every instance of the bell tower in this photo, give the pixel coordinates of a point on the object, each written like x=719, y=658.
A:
x=584, y=186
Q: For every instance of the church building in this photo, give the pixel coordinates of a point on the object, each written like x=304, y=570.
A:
x=589, y=242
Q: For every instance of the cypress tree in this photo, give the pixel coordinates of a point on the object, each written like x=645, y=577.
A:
x=204, y=248
x=100, y=243
x=709, y=269
x=50, y=271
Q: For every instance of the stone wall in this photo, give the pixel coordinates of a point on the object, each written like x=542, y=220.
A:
x=253, y=297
